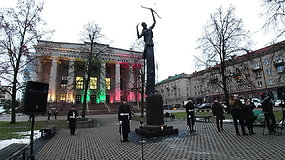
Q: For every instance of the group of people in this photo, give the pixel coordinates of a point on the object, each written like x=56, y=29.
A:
x=55, y=112
x=242, y=113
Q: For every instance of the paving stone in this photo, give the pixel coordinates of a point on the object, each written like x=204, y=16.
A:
x=103, y=142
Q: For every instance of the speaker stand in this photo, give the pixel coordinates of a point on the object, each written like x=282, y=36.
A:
x=32, y=118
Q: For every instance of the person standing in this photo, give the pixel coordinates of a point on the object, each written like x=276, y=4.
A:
x=71, y=118
x=55, y=112
x=190, y=114
x=49, y=114
x=124, y=116
x=267, y=107
x=236, y=112
x=218, y=113
x=248, y=115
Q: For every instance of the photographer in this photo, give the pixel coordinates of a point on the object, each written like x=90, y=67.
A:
x=267, y=104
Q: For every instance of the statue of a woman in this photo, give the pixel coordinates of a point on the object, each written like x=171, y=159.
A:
x=148, y=54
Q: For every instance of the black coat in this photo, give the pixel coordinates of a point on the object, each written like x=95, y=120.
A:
x=248, y=111
x=71, y=118
x=124, y=115
x=217, y=109
x=190, y=113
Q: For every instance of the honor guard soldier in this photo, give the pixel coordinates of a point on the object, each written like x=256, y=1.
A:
x=71, y=118
x=190, y=114
x=124, y=115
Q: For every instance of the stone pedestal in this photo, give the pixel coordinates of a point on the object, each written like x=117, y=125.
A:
x=155, y=126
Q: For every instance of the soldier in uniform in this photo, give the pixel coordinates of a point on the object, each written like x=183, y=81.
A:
x=71, y=118
x=190, y=114
x=124, y=115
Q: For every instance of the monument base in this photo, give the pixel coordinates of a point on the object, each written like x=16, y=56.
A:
x=150, y=131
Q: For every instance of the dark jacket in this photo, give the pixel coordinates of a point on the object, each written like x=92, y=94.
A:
x=190, y=113
x=217, y=109
x=71, y=118
x=124, y=115
x=267, y=105
x=248, y=111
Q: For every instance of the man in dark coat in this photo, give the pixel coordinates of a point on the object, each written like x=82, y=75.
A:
x=71, y=118
x=124, y=115
x=190, y=114
x=218, y=113
x=236, y=108
x=267, y=108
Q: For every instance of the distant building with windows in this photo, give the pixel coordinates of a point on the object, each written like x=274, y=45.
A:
x=114, y=76
x=249, y=76
x=4, y=95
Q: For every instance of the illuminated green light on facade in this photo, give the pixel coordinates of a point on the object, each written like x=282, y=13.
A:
x=87, y=98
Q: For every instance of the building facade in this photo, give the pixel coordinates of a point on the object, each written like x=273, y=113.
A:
x=248, y=75
x=114, y=75
x=175, y=89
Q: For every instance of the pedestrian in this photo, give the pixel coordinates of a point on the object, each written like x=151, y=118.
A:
x=236, y=112
x=49, y=114
x=124, y=116
x=71, y=118
x=267, y=104
x=218, y=113
x=190, y=114
x=248, y=115
x=55, y=112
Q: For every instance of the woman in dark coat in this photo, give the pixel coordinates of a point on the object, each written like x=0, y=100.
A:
x=71, y=118
x=248, y=115
x=218, y=113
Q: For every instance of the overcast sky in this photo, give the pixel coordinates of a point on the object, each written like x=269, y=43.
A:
x=175, y=34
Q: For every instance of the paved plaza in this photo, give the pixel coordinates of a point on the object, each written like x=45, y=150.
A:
x=102, y=142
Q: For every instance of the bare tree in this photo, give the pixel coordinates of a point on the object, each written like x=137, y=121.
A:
x=275, y=14
x=138, y=45
x=91, y=34
x=18, y=33
x=223, y=38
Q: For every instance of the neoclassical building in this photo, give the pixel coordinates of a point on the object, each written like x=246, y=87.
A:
x=114, y=75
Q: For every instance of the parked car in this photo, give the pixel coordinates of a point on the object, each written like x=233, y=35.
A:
x=277, y=103
x=168, y=107
x=205, y=106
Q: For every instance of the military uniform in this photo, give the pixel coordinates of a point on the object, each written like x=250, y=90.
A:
x=124, y=115
x=71, y=118
x=190, y=115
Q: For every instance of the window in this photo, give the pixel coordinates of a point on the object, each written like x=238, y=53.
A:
x=258, y=75
x=280, y=69
x=63, y=81
x=270, y=82
x=247, y=76
x=266, y=61
x=79, y=82
x=108, y=83
x=62, y=97
x=256, y=65
x=259, y=83
x=93, y=82
x=269, y=71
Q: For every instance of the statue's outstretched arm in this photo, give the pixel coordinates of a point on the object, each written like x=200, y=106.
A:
x=153, y=17
x=138, y=34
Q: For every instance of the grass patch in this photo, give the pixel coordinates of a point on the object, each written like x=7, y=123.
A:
x=9, y=131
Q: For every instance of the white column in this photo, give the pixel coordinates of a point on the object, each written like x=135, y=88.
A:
x=131, y=84
x=70, y=82
x=117, y=83
x=102, y=95
x=39, y=72
x=52, y=80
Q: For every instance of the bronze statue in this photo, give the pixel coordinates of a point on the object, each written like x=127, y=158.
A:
x=148, y=53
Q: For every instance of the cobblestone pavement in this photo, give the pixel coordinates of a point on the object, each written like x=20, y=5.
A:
x=103, y=142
